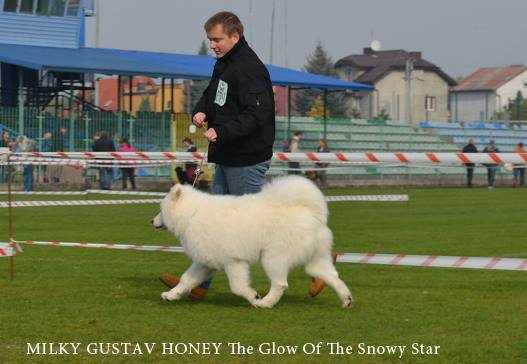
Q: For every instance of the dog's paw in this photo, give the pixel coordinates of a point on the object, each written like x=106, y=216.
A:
x=168, y=296
x=262, y=304
x=348, y=302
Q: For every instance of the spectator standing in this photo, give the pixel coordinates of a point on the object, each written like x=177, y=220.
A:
x=321, y=173
x=104, y=144
x=519, y=169
x=491, y=167
x=294, y=147
x=5, y=142
x=470, y=148
x=127, y=173
x=46, y=146
x=189, y=174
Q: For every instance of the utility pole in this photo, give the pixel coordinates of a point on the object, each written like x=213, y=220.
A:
x=272, y=33
x=251, y=23
x=286, y=64
x=408, y=78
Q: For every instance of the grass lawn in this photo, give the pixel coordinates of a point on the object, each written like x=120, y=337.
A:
x=68, y=295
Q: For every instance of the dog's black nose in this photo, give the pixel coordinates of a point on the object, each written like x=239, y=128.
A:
x=152, y=221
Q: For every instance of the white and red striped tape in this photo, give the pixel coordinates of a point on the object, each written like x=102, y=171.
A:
x=389, y=198
x=494, y=263
x=50, y=193
x=9, y=249
x=116, y=246
x=436, y=261
x=368, y=157
x=81, y=163
x=77, y=203
x=131, y=193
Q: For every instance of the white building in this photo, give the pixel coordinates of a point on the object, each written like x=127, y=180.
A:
x=487, y=91
x=425, y=94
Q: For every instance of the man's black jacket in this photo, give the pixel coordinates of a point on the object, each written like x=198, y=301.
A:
x=103, y=145
x=470, y=148
x=239, y=106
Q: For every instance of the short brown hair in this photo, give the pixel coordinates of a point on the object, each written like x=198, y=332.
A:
x=231, y=23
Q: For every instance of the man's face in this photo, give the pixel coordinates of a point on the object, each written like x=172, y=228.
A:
x=220, y=42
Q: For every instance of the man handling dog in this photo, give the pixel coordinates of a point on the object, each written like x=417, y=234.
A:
x=238, y=111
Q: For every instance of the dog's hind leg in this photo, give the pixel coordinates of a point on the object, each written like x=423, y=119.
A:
x=192, y=277
x=277, y=269
x=321, y=266
x=238, y=274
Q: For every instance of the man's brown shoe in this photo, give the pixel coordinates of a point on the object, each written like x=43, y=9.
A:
x=317, y=284
x=197, y=294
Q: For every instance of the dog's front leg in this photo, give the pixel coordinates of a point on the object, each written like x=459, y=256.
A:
x=240, y=280
x=193, y=276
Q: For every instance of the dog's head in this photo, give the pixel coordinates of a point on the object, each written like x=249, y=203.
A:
x=163, y=220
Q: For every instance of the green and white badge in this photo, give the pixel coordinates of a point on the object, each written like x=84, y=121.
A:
x=221, y=93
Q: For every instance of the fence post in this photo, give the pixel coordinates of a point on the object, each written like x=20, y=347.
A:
x=72, y=133
x=86, y=132
x=120, y=125
x=40, y=117
x=20, y=102
x=131, y=130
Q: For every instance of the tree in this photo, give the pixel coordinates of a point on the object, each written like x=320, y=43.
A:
x=198, y=86
x=317, y=109
x=515, y=110
x=383, y=115
x=319, y=62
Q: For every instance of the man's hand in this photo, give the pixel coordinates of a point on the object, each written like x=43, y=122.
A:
x=211, y=135
x=199, y=119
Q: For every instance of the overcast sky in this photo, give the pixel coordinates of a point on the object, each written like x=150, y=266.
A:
x=457, y=35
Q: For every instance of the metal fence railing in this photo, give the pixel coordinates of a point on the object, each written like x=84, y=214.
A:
x=147, y=131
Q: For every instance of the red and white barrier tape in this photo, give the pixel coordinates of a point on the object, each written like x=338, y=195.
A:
x=116, y=246
x=9, y=249
x=390, y=198
x=77, y=203
x=131, y=193
x=436, y=261
x=92, y=163
x=494, y=263
x=369, y=157
x=50, y=193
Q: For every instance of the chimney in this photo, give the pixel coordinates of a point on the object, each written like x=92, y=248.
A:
x=415, y=55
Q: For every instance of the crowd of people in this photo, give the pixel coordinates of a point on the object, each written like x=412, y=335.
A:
x=102, y=142
x=518, y=170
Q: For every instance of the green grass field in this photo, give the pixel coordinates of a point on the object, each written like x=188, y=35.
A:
x=100, y=296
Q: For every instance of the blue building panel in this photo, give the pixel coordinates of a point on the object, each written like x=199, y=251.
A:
x=45, y=31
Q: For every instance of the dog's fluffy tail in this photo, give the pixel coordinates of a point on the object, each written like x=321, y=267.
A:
x=296, y=190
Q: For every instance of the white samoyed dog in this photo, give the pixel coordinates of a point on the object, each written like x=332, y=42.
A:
x=282, y=226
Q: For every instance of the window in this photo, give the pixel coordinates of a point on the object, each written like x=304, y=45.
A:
x=57, y=8
x=26, y=6
x=73, y=8
x=430, y=103
x=10, y=5
x=43, y=7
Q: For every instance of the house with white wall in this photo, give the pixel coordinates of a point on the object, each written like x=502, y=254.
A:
x=421, y=96
x=486, y=92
